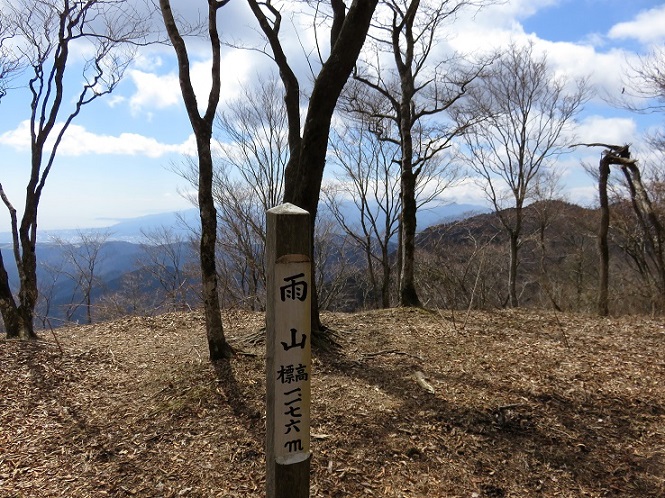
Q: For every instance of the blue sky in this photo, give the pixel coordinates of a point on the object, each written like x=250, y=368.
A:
x=115, y=162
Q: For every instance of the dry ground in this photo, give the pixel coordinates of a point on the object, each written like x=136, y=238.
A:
x=524, y=404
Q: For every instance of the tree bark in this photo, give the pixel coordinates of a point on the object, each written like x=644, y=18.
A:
x=11, y=317
x=385, y=286
x=19, y=317
x=603, y=247
x=218, y=348
x=404, y=62
x=512, y=273
x=408, y=295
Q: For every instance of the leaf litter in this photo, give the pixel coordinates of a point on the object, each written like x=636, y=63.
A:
x=415, y=403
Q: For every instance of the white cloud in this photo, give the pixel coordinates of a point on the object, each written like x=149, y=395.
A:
x=498, y=26
x=78, y=141
x=148, y=61
x=495, y=26
x=160, y=91
x=154, y=91
x=584, y=196
x=600, y=129
x=467, y=191
x=647, y=27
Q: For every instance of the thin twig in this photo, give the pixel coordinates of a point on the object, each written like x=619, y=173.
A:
x=391, y=351
x=55, y=337
x=564, y=336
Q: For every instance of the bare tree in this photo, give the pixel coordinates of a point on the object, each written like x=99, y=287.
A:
x=337, y=276
x=51, y=276
x=131, y=299
x=643, y=235
x=644, y=89
x=423, y=85
x=643, y=92
x=653, y=233
x=308, y=144
x=251, y=139
x=47, y=33
x=83, y=258
x=526, y=112
x=365, y=199
x=242, y=240
x=11, y=63
x=612, y=155
x=249, y=180
x=168, y=259
x=202, y=125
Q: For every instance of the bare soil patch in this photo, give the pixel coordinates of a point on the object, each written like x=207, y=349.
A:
x=512, y=404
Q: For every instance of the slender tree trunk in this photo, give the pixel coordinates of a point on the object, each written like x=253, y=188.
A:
x=385, y=286
x=407, y=291
x=408, y=295
x=546, y=282
x=27, y=269
x=405, y=67
x=603, y=247
x=374, y=290
x=512, y=272
x=217, y=345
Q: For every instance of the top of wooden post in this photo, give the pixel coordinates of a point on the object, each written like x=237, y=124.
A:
x=287, y=208
x=287, y=232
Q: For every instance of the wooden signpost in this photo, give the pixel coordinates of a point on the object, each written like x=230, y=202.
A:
x=288, y=366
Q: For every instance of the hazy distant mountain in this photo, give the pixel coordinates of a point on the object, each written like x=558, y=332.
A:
x=447, y=213
x=183, y=223
x=129, y=230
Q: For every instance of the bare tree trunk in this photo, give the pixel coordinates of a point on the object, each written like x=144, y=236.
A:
x=603, y=247
x=385, y=286
x=620, y=155
x=407, y=289
x=15, y=325
x=512, y=273
x=19, y=317
x=217, y=346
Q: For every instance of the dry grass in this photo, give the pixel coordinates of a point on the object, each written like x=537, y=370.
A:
x=525, y=404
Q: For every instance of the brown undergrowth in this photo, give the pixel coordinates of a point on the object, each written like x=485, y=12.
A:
x=521, y=404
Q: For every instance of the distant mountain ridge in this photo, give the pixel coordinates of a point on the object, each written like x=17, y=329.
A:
x=183, y=223
x=129, y=230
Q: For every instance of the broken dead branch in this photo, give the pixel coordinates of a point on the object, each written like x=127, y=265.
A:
x=422, y=382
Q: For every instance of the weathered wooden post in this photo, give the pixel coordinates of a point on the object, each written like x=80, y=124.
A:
x=288, y=365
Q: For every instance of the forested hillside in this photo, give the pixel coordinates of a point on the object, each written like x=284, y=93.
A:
x=465, y=263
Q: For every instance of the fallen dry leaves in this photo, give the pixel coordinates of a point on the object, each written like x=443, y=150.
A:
x=524, y=404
